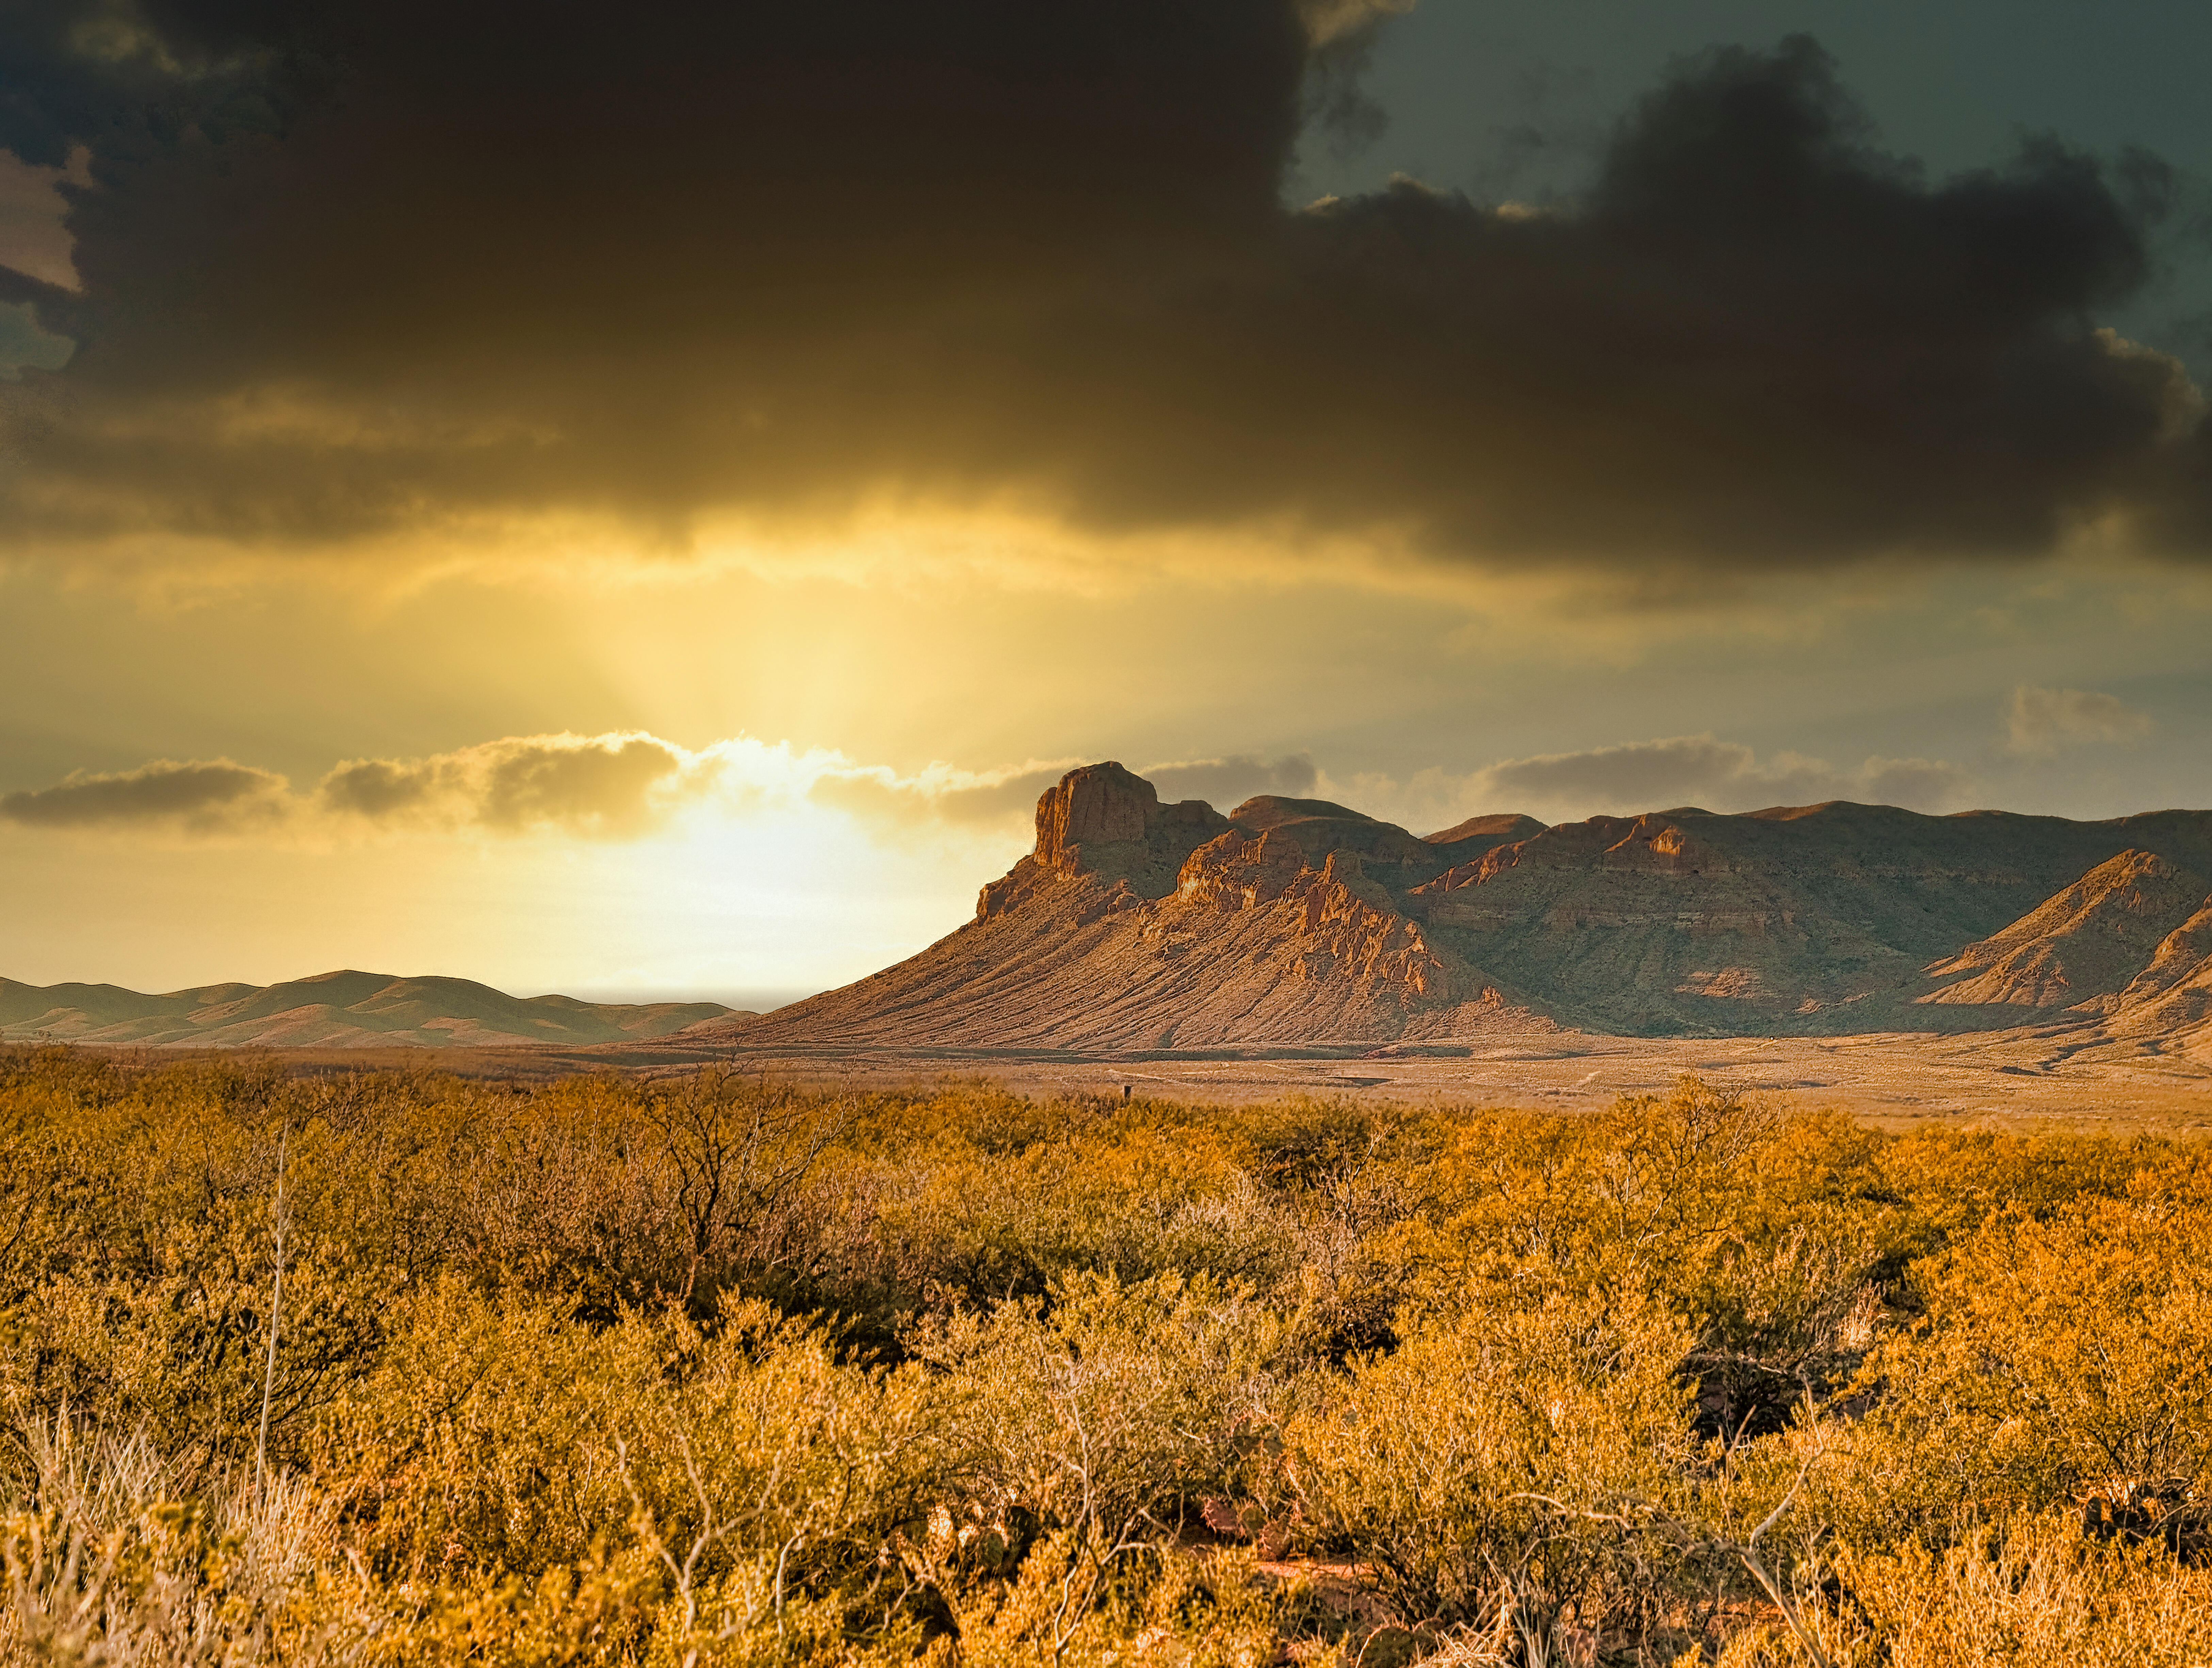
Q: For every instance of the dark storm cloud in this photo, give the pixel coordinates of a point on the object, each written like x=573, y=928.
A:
x=356, y=271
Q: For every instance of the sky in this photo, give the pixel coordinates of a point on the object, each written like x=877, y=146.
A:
x=640, y=506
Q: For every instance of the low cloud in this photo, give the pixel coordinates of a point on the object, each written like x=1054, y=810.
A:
x=619, y=786
x=1225, y=784
x=1671, y=772
x=938, y=794
x=213, y=796
x=603, y=786
x=2040, y=722
x=629, y=785
x=1699, y=770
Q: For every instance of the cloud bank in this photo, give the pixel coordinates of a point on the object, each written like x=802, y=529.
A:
x=1669, y=773
x=357, y=274
x=1713, y=775
x=629, y=785
x=604, y=787
x=624, y=785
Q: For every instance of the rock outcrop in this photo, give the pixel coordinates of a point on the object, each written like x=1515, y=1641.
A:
x=1107, y=823
x=1135, y=925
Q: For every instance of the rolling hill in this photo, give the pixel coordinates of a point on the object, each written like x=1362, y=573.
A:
x=345, y=1009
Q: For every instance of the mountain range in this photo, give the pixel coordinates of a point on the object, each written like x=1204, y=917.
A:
x=344, y=1009
x=1139, y=925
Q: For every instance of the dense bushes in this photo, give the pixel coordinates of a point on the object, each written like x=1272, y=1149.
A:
x=709, y=1370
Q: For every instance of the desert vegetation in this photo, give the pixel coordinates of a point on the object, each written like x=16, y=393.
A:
x=714, y=1370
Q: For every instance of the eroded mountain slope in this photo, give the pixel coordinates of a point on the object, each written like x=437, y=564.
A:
x=1139, y=925
x=2083, y=945
x=2172, y=997
x=1135, y=924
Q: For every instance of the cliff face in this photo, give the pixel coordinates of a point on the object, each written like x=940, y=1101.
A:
x=1137, y=925
x=1108, y=824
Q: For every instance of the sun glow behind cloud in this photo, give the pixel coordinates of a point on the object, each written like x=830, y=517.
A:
x=626, y=863
x=726, y=893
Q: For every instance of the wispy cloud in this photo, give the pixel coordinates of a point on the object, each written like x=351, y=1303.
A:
x=2040, y=722
x=1009, y=796
x=1672, y=771
x=938, y=793
x=1228, y=782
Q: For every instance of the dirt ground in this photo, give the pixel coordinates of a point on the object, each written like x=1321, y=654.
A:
x=2043, y=1076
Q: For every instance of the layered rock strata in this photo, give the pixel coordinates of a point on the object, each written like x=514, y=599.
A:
x=1136, y=925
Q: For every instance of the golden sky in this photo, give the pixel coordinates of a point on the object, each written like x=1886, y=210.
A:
x=648, y=516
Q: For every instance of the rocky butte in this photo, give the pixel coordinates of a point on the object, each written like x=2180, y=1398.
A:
x=1138, y=926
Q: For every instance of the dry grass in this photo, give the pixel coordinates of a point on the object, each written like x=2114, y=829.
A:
x=118, y=1558
x=2032, y=1593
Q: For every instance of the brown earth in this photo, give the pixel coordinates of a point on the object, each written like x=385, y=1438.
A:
x=2036, y=1075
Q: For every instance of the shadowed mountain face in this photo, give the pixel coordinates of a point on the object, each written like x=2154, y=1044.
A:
x=333, y=1010
x=1139, y=925
x=2085, y=945
x=2174, y=995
